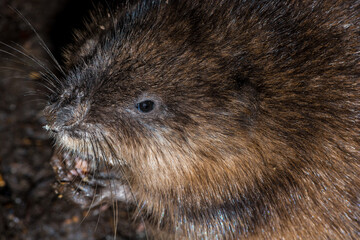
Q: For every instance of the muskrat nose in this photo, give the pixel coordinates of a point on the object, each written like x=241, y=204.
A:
x=60, y=118
x=65, y=117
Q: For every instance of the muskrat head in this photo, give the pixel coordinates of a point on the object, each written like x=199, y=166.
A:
x=165, y=104
x=158, y=111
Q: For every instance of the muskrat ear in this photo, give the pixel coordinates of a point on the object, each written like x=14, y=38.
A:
x=241, y=81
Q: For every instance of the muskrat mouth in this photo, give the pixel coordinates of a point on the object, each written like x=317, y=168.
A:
x=85, y=150
x=71, y=164
x=78, y=148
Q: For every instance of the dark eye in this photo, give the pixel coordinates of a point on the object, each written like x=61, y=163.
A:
x=145, y=106
x=53, y=98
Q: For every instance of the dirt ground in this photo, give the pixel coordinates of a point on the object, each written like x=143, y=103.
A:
x=29, y=206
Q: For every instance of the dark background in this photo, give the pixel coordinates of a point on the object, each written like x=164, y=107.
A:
x=29, y=207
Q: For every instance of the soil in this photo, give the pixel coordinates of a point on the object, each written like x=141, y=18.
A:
x=29, y=206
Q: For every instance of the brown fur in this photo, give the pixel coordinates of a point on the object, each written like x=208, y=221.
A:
x=255, y=133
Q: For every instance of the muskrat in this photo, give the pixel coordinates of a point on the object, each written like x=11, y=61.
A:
x=224, y=119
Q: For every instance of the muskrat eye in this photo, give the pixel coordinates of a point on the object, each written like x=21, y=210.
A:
x=145, y=106
x=53, y=98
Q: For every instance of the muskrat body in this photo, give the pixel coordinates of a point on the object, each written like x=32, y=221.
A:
x=226, y=119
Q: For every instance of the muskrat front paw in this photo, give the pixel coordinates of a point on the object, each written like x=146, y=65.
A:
x=86, y=188
x=67, y=170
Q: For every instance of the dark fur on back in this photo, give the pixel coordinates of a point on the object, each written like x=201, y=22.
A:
x=255, y=131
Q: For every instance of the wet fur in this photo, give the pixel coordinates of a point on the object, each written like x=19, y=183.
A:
x=256, y=129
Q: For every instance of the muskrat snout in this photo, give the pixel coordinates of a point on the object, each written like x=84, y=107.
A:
x=65, y=114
